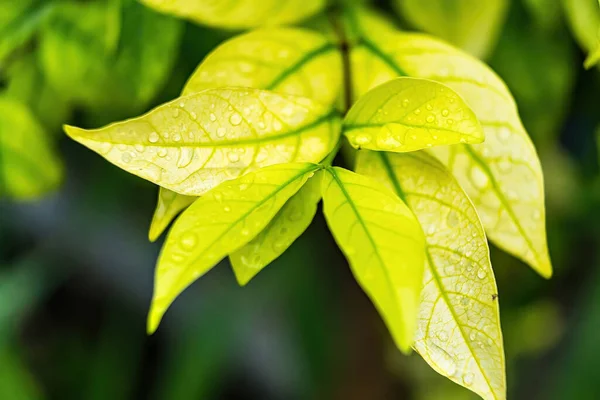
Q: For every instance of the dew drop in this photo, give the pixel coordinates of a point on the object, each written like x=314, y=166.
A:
x=233, y=157
x=452, y=219
x=481, y=274
x=226, y=208
x=468, y=379
x=445, y=112
x=188, y=241
x=473, y=335
x=245, y=232
x=212, y=117
x=430, y=118
x=153, y=137
x=221, y=132
x=536, y=214
x=362, y=139
x=504, y=133
x=418, y=111
x=162, y=152
x=405, y=103
x=139, y=148
x=176, y=112
x=277, y=125
x=126, y=157
x=449, y=121
x=442, y=335
x=479, y=177
x=176, y=137
x=235, y=119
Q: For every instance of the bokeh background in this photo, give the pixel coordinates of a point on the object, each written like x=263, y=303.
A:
x=76, y=267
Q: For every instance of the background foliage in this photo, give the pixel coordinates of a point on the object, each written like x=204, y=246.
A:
x=76, y=270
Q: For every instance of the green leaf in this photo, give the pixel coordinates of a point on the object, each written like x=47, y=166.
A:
x=583, y=17
x=287, y=226
x=592, y=58
x=284, y=60
x=408, y=114
x=458, y=331
x=19, y=21
x=193, y=143
x=29, y=168
x=502, y=176
x=240, y=14
x=168, y=206
x=219, y=223
x=472, y=25
x=27, y=83
x=109, y=56
x=384, y=244
x=543, y=94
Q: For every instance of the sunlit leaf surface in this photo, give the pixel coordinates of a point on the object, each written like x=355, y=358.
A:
x=219, y=223
x=168, y=206
x=289, y=223
x=285, y=60
x=193, y=143
x=472, y=25
x=384, y=245
x=458, y=331
x=408, y=114
x=503, y=175
x=239, y=14
x=29, y=168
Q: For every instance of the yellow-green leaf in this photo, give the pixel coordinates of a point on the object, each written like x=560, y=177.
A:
x=592, y=58
x=408, y=114
x=458, y=331
x=287, y=226
x=502, y=176
x=29, y=168
x=583, y=17
x=284, y=60
x=193, y=143
x=168, y=206
x=239, y=14
x=472, y=25
x=219, y=223
x=384, y=245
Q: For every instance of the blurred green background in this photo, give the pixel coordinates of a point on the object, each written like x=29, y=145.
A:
x=76, y=268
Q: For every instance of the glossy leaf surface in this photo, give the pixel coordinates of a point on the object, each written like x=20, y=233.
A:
x=194, y=143
x=219, y=223
x=383, y=243
x=169, y=204
x=285, y=60
x=472, y=25
x=240, y=14
x=29, y=168
x=458, y=330
x=287, y=226
x=408, y=114
x=502, y=176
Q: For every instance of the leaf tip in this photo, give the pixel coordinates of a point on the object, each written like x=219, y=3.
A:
x=154, y=317
x=155, y=231
x=72, y=131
